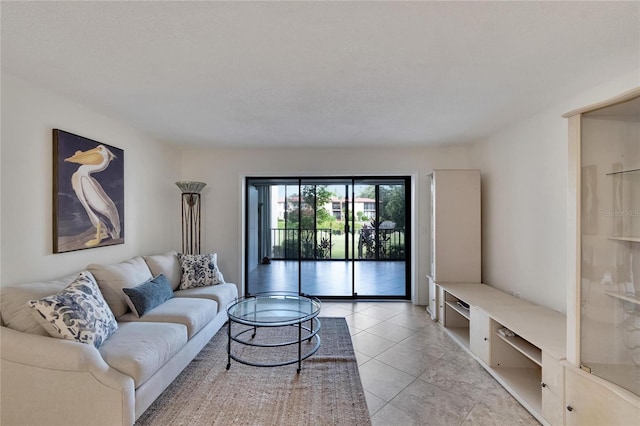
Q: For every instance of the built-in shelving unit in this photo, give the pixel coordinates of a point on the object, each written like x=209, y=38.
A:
x=517, y=362
x=455, y=243
x=602, y=370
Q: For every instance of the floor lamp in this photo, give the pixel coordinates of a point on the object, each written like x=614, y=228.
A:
x=190, y=215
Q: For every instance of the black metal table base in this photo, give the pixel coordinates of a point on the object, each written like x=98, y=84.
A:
x=311, y=332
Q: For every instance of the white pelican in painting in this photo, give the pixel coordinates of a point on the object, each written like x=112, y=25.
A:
x=101, y=209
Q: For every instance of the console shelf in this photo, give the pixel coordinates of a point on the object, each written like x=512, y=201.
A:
x=522, y=383
x=461, y=334
x=459, y=309
x=527, y=349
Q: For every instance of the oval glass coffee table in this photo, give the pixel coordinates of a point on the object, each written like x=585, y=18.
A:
x=275, y=310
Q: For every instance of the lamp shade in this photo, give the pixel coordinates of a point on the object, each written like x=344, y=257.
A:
x=189, y=187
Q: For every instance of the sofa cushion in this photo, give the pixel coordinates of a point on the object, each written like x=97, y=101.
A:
x=224, y=294
x=199, y=270
x=141, y=299
x=78, y=312
x=113, y=278
x=193, y=313
x=167, y=264
x=140, y=349
x=16, y=314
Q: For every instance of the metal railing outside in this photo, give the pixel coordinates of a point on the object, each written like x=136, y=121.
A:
x=320, y=244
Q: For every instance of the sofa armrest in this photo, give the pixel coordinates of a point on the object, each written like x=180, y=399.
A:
x=55, y=381
x=49, y=352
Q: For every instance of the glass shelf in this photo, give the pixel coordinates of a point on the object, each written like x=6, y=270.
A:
x=631, y=239
x=623, y=172
x=623, y=297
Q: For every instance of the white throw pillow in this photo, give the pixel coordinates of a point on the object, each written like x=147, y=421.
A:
x=199, y=270
x=78, y=312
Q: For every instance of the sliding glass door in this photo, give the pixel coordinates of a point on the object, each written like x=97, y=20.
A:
x=329, y=237
x=382, y=236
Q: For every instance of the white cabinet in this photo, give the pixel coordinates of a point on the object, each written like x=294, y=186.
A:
x=455, y=228
x=432, y=307
x=479, y=335
x=603, y=308
x=440, y=303
x=591, y=401
x=552, y=389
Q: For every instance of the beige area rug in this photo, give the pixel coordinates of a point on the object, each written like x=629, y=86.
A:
x=328, y=390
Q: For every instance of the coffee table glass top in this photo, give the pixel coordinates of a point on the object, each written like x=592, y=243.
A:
x=274, y=309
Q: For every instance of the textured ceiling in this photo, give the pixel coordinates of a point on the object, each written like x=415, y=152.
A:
x=249, y=74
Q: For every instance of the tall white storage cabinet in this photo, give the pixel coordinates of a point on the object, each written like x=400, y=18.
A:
x=602, y=379
x=455, y=230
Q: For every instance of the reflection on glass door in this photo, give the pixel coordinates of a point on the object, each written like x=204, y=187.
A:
x=328, y=237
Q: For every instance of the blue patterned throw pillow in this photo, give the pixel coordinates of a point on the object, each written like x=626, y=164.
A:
x=199, y=270
x=79, y=313
x=143, y=298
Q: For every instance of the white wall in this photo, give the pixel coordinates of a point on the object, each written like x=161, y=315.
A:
x=152, y=201
x=223, y=170
x=524, y=199
x=524, y=174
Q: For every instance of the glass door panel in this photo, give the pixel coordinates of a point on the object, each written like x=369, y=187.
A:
x=271, y=237
x=610, y=244
x=325, y=269
x=392, y=220
x=381, y=207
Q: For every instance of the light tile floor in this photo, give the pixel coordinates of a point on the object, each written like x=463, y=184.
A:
x=414, y=374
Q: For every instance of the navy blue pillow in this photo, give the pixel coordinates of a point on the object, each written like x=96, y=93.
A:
x=141, y=299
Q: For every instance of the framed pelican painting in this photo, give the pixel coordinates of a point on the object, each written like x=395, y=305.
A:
x=88, y=193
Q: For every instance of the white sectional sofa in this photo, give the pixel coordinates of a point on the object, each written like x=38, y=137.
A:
x=53, y=381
